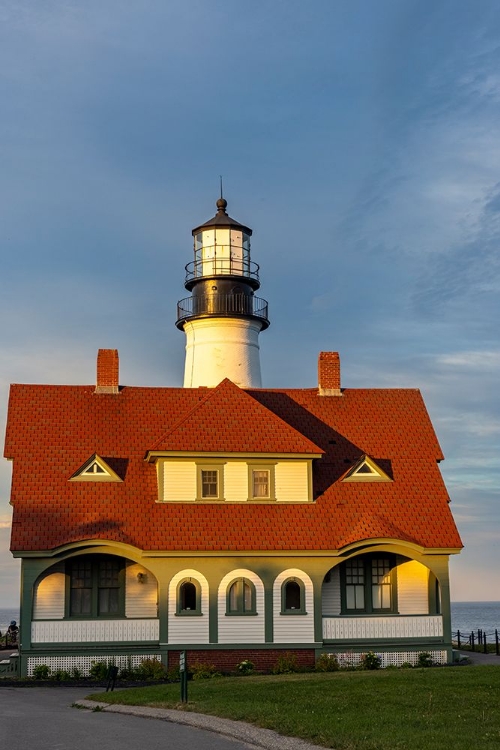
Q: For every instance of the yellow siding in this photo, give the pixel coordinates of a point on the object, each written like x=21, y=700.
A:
x=292, y=481
x=330, y=594
x=179, y=481
x=413, y=597
x=236, y=481
x=49, y=596
x=140, y=597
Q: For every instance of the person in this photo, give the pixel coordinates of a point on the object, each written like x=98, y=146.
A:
x=12, y=633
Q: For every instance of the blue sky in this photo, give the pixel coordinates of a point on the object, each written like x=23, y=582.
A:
x=359, y=140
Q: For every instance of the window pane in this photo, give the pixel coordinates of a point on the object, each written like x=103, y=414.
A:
x=81, y=601
x=260, y=483
x=209, y=483
x=292, y=595
x=247, y=593
x=355, y=597
x=108, y=601
x=381, y=583
x=188, y=596
x=233, y=597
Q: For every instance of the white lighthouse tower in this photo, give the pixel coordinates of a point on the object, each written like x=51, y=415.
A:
x=223, y=318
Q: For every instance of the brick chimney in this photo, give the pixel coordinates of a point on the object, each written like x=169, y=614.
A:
x=107, y=371
x=329, y=374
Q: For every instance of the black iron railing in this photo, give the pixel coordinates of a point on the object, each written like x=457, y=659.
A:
x=223, y=304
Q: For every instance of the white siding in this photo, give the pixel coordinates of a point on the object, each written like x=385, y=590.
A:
x=186, y=628
x=413, y=581
x=330, y=594
x=358, y=628
x=292, y=481
x=141, y=598
x=50, y=595
x=179, y=481
x=246, y=628
x=236, y=481
x=94, y=631
x=293, y=628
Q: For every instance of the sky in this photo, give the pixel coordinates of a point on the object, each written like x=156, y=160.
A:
x=359, y=140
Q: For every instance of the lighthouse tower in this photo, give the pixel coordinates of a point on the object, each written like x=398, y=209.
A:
x=223, y=318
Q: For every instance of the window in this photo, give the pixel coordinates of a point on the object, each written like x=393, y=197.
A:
x=293, y=599
x=189, y=597
x=369, y=584
x=210, y=484
x=241, y=598
x=261, y=482
x=96, y=587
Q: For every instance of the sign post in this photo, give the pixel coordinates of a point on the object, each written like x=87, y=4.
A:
x=184, y=677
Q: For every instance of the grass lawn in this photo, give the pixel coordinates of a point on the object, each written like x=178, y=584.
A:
x=454, y=708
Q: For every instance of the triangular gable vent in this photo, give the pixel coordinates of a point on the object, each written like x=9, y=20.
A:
x=366, y=470
x=95, y=469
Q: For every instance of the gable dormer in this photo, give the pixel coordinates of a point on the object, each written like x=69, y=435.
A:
x=95, y=469
x=366, y=470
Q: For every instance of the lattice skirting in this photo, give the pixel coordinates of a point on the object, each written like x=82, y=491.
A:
x=395, y=658
x=84, y=663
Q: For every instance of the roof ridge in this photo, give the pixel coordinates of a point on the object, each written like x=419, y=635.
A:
x=191, y=411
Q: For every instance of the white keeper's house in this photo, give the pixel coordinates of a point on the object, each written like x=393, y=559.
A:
x=223, y=518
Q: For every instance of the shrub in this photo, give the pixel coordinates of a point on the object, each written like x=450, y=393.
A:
x=370, y=661
x=407, y=665
x=327, y=663
x=99, y=670
x=286, y=664
x=424, y=659
x=201, y=671
x=174, y=674
x=150, y=669
x=245, y=667
x=41, y=672
x=76, y=674
x=60, y=675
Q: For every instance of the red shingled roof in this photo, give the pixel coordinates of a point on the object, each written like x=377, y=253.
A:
x=53, y=430
x=229, y=420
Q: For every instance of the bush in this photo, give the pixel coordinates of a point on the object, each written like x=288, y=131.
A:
x=76, y=674
x=245, y=667
x=201, y=671
x=174, y=674
x=327, y=663
x=370, y=661
x=407, y=665
x=286, y=664
x=99, y=670
x=60, y=675
x=150, y=669
x=41, y=672
x=424, y=659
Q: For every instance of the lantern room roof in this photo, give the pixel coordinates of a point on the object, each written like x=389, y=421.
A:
x=221, y=219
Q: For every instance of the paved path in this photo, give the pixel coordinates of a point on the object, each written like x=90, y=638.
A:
x=46, y=718
x=478, y=658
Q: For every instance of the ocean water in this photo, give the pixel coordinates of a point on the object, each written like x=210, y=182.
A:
x=469, y=616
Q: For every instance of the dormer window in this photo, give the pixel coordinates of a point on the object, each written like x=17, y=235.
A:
x=210, y=482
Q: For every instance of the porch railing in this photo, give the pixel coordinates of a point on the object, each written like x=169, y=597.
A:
x=94, y=631
x=402, y=626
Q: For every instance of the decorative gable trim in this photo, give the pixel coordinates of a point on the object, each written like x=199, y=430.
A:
x=95, y=469
x=366, y=470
